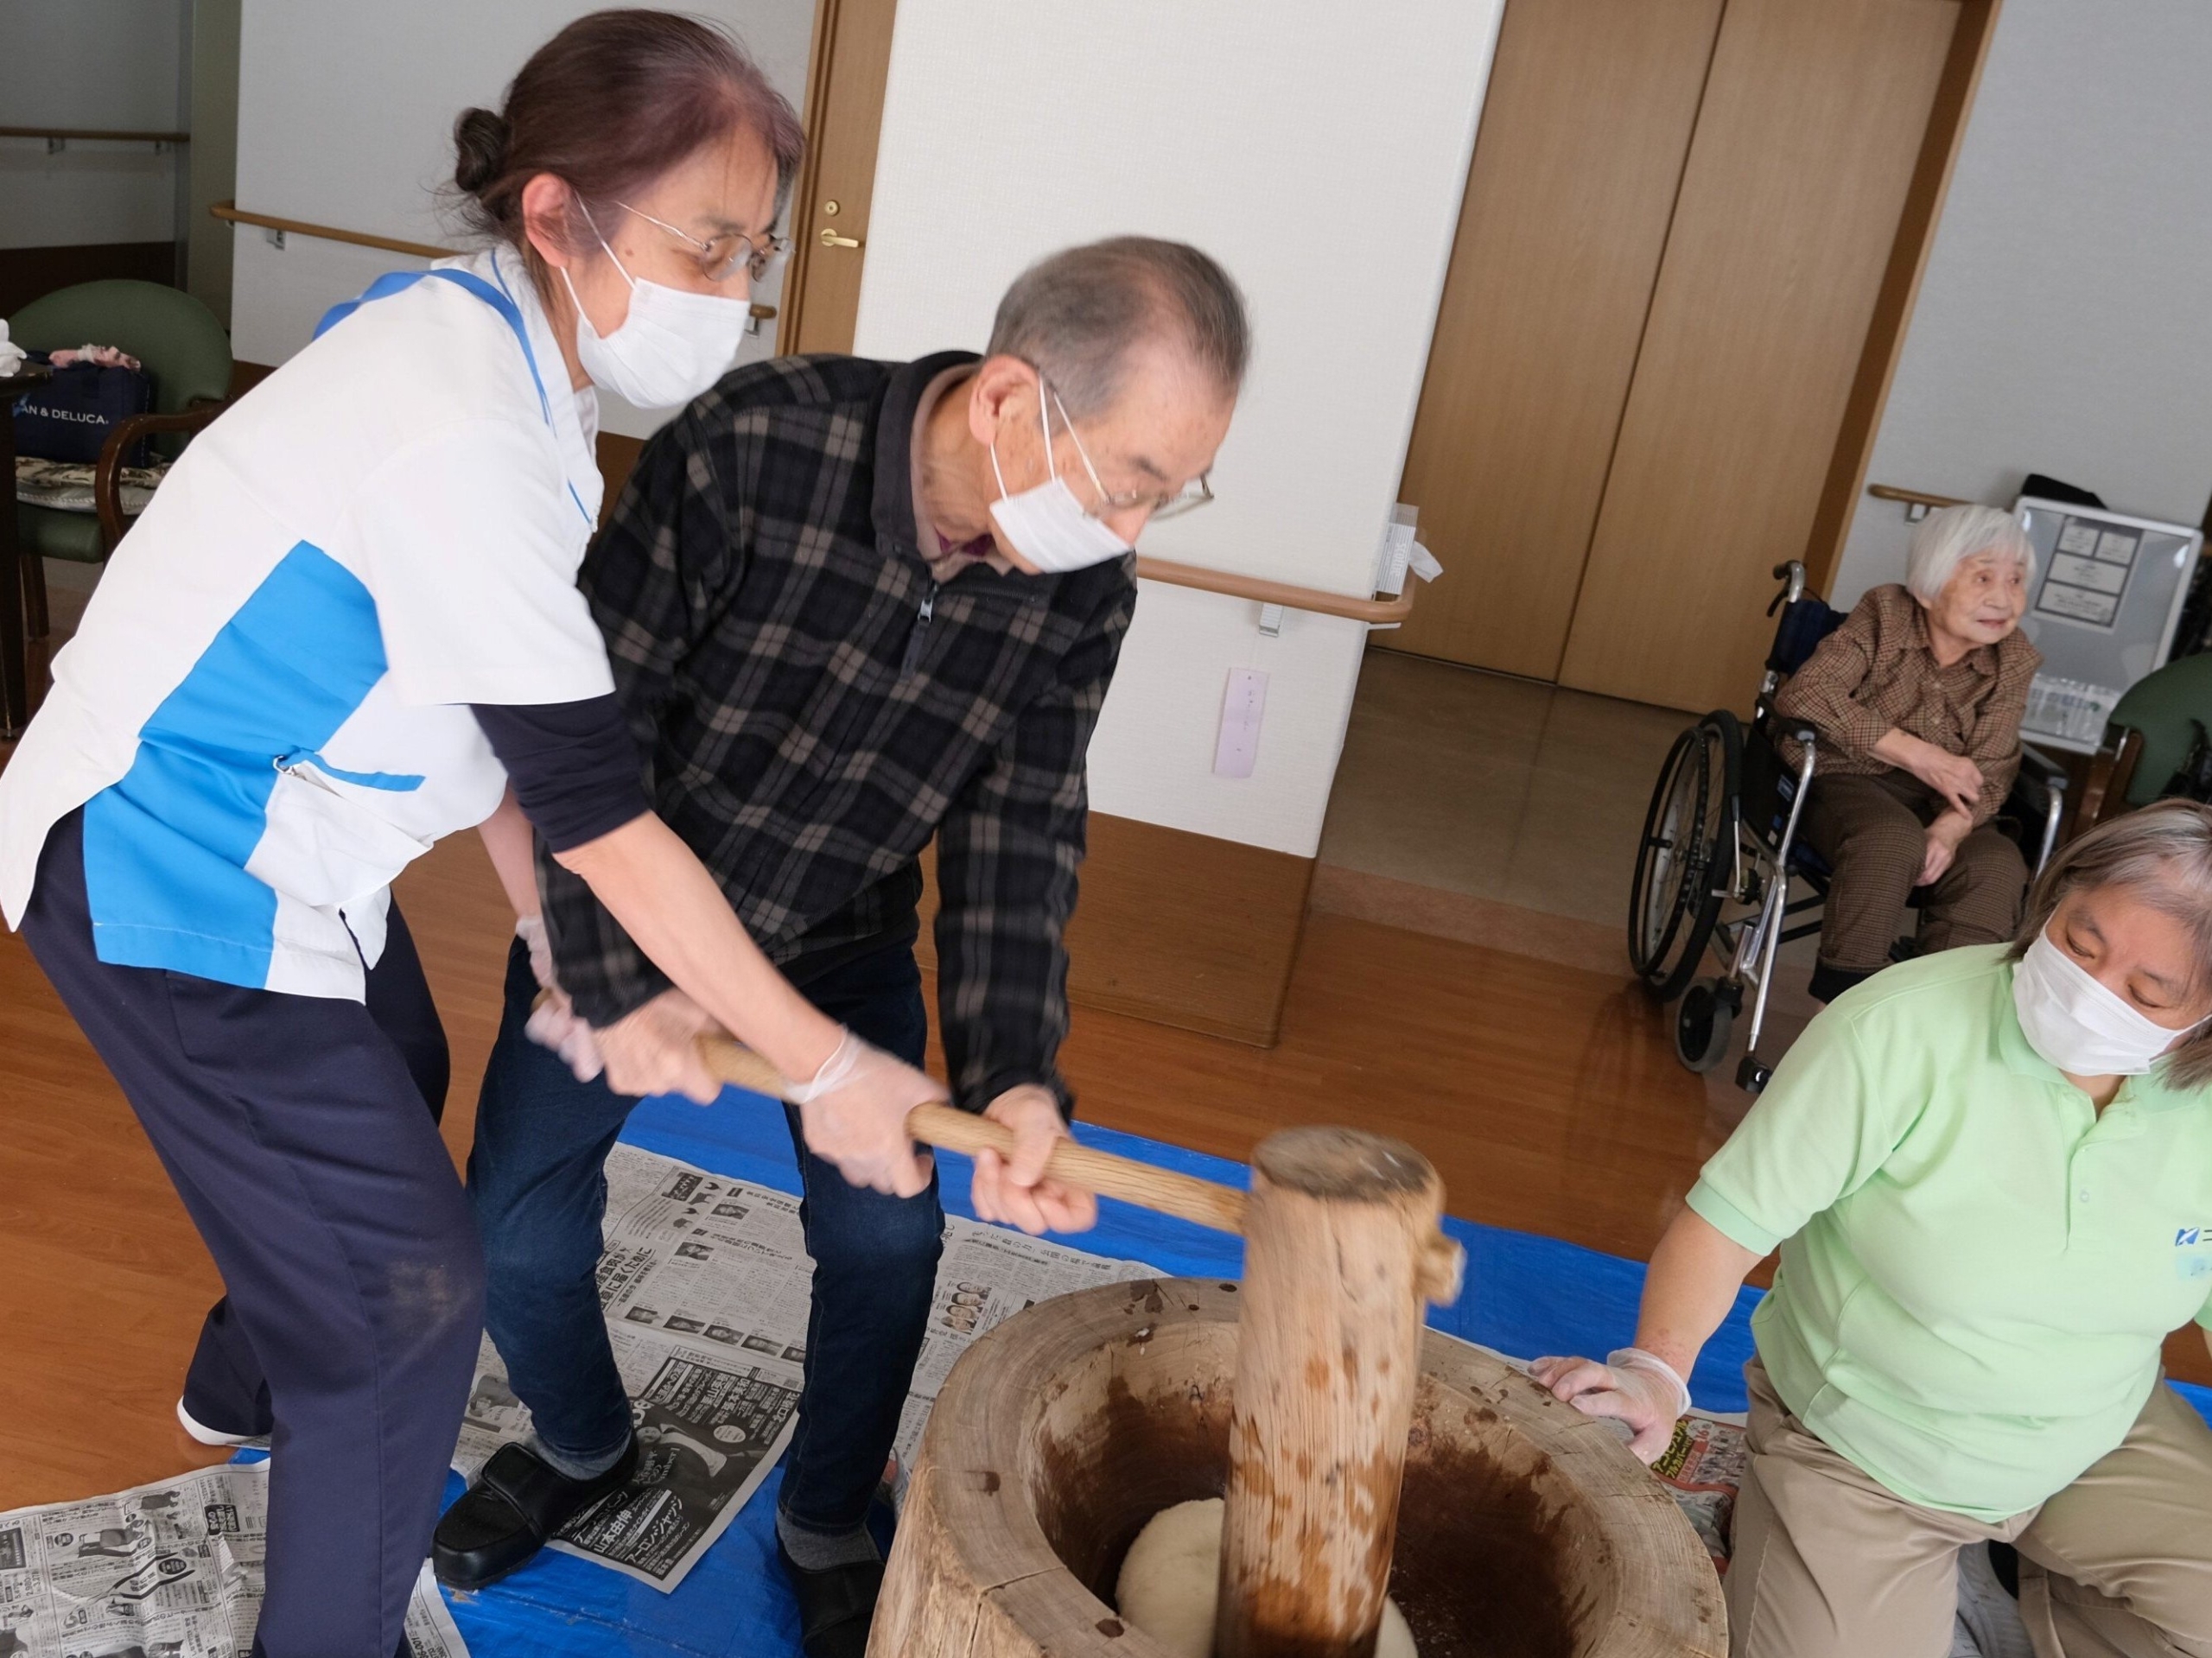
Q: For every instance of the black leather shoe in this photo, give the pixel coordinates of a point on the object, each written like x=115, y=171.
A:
x=515, y=1504
x=836, y=1605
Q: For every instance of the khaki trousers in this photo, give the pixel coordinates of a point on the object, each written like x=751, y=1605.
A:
x=1828, y=1564
x=1872, y=830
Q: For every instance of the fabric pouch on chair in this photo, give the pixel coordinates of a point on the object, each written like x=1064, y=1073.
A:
x=69, y=417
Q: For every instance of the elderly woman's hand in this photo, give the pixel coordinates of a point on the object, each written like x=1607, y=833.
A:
x=1954, y=776
x=1944, y=838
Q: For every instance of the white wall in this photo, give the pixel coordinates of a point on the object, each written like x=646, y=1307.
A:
x=2064, y=324
x=91, y=63
x=346, y=117
x=1318, y=150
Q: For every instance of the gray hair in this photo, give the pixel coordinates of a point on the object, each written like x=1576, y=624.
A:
x=1949, y=535
x=2164, y=855
x=1075, y=316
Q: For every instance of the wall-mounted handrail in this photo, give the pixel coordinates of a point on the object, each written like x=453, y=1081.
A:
x=1913, y=497
x=67, y=133
x=231, y=212
x=1383, y=609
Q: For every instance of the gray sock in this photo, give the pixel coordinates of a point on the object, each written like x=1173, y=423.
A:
x=573, y=1467
x=819, y=1551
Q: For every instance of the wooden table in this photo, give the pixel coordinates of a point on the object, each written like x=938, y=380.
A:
x=15, y=689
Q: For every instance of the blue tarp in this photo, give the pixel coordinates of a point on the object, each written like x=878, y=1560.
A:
x=1525, y=1296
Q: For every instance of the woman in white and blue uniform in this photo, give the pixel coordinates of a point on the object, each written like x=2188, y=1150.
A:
x=347, y=626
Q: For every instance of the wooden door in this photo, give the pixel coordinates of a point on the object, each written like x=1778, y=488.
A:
x=1813, y=121
x=1585, y=128
x=829, y=208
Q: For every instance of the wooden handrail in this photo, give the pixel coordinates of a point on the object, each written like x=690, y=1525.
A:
x=95, y=132
x=1913, y=497
x=231, y=212
x=1383, y=609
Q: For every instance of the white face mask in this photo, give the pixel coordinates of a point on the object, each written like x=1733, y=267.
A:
x=672, y=346
x=2075, y=1023
x=1047, y=525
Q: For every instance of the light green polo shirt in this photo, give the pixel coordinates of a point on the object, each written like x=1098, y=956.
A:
x=1977, y=1269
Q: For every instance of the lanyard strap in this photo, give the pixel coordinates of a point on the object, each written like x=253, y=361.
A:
x=394, y=282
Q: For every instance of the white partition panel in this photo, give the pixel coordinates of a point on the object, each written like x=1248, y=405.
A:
x=1319, y=151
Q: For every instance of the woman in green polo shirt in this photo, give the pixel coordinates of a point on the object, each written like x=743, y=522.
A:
x=1989, y=1173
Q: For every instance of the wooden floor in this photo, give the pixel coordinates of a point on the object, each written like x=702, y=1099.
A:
x=1548, y=1095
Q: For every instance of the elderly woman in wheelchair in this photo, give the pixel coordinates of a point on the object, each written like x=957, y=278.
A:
x=1870, y=779
x=1916, y=700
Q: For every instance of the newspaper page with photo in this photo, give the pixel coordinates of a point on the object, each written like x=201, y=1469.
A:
x=989, y=1274
x=170, y=1570
x=706, y=1286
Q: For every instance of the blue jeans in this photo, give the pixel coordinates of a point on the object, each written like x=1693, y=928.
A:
x=536, y=1178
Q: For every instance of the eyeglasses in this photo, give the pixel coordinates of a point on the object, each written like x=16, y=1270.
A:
x=720, y=256
x=1189, y=498
x=1192, y=496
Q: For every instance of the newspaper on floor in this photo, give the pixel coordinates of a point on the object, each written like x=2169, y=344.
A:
x=706, y=1286
x=170, y=1570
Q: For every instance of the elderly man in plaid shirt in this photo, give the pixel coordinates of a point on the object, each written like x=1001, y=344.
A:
x=852, y=607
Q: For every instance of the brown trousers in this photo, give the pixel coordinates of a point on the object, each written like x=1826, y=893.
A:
x=1828, y=1564
x=1873, y=832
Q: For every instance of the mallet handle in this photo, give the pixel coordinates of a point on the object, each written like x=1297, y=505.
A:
x=1163, y=1190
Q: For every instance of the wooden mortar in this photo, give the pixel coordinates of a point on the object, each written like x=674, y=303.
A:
x=1525, y=1529
x=1316, y=1403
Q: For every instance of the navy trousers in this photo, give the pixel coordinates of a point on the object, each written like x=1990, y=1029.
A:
x=537, y=1177
x=302, y=1133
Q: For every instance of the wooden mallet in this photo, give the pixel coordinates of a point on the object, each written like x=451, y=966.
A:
x=1224, y=1209
x=1343, y=1245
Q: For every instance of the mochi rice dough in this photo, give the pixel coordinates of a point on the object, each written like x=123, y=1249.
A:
x=1170, y=1581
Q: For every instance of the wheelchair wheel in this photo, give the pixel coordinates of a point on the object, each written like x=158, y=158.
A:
x=1703, y=1022
x=1688, y=840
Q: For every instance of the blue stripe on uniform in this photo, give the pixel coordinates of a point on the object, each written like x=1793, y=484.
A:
x=397, y=281
x=166, y=848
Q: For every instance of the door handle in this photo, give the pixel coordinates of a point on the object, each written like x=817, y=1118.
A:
x=831, y=239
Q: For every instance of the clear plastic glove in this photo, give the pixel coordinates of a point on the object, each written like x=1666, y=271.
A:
x=853, y=1114
x=530, y=929
x=655, y=1050
x=1639, y=1389
x=1014, y=1189
x=553, y=1023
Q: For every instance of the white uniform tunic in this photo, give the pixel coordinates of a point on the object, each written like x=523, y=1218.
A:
x=265, y=713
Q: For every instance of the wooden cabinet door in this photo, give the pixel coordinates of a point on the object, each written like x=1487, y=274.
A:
x=1585, y=130
x=1815, y=116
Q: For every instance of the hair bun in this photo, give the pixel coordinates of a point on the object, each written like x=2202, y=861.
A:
x=480, y=141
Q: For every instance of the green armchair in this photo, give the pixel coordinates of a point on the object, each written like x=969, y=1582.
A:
x=2147, y=738
x=187, y=355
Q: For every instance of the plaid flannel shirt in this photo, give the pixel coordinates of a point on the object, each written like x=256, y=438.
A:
x=812, y=707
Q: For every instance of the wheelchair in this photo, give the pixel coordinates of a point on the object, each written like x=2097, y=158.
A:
x=1719, y=869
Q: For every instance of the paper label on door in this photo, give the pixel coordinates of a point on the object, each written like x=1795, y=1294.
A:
x=1239, y=746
